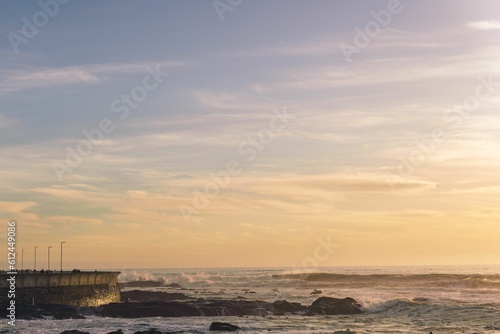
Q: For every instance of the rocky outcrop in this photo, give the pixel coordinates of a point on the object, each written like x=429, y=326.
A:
x=148, y=309
x=282, y=307
x=333, y=306
x=193, y=308
x=223, y=327
x=214, y=308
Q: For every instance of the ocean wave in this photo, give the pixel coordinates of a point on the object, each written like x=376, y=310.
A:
x=198, y=278
x=165, y=279
x=400, y=305
x=418, y=306
x=457, y=281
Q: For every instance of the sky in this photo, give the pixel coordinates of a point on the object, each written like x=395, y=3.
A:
x=188, y=134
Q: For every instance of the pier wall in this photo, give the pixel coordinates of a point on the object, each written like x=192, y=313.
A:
x=68, y=288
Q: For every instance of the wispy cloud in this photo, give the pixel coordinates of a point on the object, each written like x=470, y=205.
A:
x=484, y=25
x=7, y=122
x=28, y=78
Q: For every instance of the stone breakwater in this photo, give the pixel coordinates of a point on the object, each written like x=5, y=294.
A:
x=195, y=308
x=91, y=288
x=223, y=308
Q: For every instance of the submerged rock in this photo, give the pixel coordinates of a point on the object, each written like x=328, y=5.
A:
x=223, y=326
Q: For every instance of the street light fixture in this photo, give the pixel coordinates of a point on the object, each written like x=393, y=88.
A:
x=35, y=256
x=22, y=259
x=63, y=242
x=48, y=257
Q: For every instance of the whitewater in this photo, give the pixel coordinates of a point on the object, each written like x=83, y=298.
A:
x=434, y=299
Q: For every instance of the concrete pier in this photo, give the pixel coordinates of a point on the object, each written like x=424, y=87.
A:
x=76, y=288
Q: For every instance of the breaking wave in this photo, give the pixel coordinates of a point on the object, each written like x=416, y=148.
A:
x=462, y=281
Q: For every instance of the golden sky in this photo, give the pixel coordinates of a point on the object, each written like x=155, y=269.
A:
x=173, y=135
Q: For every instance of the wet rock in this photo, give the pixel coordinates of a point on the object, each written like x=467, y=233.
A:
x=149, y=309
x=333, y=306
x=149, y=296
x=282, y=307
x=316, y=292
x=74, y=332
x=234, y=307
x=116, y=332
x=173, y=285
x=223, y=326
x=150, y=331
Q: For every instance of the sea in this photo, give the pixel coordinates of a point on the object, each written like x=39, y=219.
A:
x=437, y=299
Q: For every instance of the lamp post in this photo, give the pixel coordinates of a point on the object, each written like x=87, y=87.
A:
x=35, y=256
x=22, y=259
x=63, y=242
x=48, y=257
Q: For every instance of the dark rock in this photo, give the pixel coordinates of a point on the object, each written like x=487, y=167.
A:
x=148, y=309
x=173, y=285
x=149, y=296
x=74, y=332
x=234, y=307
x=282, y=306
x=316, y=292
x=116, y=332
x=150, y=331
x=333, y=306
x=223, y=326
